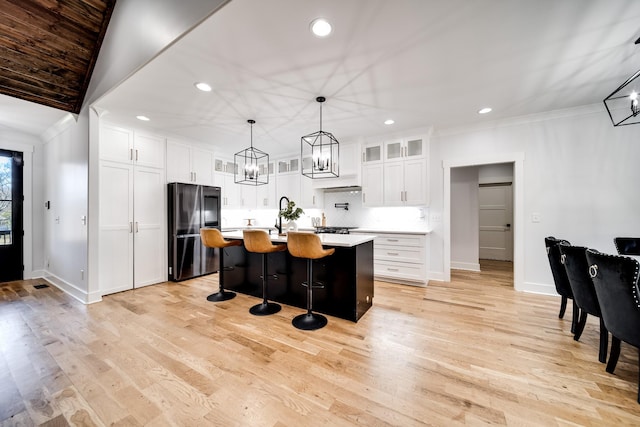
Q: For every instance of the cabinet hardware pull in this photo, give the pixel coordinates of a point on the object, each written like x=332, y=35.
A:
x=392, y=253
x=137, y=229
x=195, y=176
x=392, y=240
x=392, y=269
x=130, y=227
x=136, y=155
x=131, y=154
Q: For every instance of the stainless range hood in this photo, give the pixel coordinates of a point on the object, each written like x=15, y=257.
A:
x=348, y=188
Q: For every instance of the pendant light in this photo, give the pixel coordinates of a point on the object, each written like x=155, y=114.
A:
x=251, y=164
x=320, y=152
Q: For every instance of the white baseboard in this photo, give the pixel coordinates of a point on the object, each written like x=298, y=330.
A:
x=71, y=289
x=540, y=288
x=469, y=266
x=438, y=276
x=36, y=274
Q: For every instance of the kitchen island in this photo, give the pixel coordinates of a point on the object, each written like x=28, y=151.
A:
x=347, y=275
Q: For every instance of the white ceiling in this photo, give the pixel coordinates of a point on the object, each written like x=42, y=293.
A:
x=420, y=62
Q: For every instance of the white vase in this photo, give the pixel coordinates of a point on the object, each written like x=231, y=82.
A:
x=291, y=226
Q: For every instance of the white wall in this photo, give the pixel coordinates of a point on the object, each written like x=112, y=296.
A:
x=496, y=173
x=465, y=244
x=65, y=232
x=138, y=31
x=580, y=176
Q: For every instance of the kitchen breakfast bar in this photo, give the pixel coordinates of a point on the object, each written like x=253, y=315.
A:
x=346, y=277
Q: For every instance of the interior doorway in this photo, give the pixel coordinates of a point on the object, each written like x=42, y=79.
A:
x=11, y=229
x=517, y=227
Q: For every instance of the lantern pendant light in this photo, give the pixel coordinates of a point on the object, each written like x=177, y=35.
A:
x=251, y=164
x=320, y=152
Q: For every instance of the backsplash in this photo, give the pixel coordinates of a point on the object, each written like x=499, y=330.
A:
x=393, y=218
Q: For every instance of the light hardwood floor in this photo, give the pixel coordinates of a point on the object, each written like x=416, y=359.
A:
x=469, y=352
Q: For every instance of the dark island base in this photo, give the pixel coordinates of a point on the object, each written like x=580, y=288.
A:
x=347, y=276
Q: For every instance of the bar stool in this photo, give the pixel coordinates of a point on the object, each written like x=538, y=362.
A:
x=309, y=246
x=212, y=238
x=258, y=241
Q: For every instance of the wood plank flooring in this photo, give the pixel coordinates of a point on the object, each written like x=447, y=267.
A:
x=467, y=352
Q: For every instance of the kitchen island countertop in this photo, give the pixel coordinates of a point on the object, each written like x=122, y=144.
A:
x=339, y=240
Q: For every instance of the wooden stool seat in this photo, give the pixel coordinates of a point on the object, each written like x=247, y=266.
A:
x=212, y=238
x=308, y=246
x=258, y=241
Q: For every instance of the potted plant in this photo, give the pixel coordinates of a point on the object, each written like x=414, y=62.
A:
x=291, y=213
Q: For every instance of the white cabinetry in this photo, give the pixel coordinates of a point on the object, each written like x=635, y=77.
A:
x=372, y=184
x=349, y=169
x=400, y=257
x=132, y=221
x=234, y=196
x=288, y=179
x=189, y=164
x=399, y=176
x=266, y=194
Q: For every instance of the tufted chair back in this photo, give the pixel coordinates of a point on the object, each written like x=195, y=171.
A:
x=557, y=269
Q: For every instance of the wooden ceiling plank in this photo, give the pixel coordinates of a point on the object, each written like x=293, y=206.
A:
x=36, y=54
x=48, y=49
x=40, y=70
x=29, y=28
x=41, y=87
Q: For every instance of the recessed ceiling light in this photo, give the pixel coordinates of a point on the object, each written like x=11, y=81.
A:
x=320, y=27
x=389, y=122
x=484, y=110
x=203, y=87
x=143, y=118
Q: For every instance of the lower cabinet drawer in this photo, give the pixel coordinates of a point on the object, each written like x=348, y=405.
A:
x=399, y=270
x=388, y=253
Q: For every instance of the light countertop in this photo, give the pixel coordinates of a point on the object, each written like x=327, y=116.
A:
x=383, y=230
x=343, y=240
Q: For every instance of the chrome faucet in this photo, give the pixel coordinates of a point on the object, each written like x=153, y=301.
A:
x=279, y=223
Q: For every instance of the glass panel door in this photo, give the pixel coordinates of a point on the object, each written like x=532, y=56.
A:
x=11, y=262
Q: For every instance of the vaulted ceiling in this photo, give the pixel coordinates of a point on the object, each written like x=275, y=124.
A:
x=48, y=49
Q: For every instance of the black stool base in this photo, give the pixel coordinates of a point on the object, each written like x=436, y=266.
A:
x=265, y=309
x=221, y=296
x=309, y=321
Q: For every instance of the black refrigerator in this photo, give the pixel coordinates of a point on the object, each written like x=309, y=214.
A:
x=191, y=207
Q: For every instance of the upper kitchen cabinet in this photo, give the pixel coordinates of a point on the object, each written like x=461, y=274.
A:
x=288, y=179
x=266, y=194
x=234, y=196
x=405, y=148
x=400, y=178
x=372, y=154
x=127, y=146
x=189, y=164
x=349, y=168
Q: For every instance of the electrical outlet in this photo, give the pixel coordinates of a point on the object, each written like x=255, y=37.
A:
x=535, y=217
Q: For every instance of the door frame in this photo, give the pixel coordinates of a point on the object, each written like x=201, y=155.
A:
x=27, y=205
x=518, y=209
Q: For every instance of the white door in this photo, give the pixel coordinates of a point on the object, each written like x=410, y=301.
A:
x=116, y=228
x=496, y=220
x=149, y=233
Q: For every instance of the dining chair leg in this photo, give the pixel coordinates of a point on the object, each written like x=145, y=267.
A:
x=563, y=307
x=615, y=353
x=574, y=317
x=580, y=326
x=604, y=342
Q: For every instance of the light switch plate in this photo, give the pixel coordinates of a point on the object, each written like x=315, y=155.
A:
x=535, y=217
